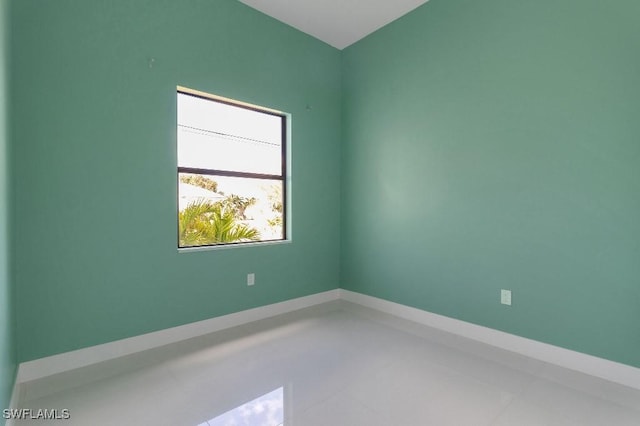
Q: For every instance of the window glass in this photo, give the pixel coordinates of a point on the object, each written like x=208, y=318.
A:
x=231, y=172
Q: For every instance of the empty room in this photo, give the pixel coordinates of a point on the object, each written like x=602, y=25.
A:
x=355, y=212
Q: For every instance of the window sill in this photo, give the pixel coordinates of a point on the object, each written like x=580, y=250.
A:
x=232, y=246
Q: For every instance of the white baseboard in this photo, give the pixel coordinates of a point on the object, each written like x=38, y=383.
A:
x=43, y=367
x=566, y=358
x=598, y=367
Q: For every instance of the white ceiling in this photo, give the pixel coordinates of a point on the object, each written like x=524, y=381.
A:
x=336, y=22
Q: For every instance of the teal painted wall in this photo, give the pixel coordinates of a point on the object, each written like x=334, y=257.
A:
x=93, y=113
x=7, y=347
x=486, y=145
x=496, y=144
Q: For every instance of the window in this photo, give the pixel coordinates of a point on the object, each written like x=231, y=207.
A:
x=231, y=171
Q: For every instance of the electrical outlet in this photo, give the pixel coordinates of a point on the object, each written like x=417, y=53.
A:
x=251, y=279
x=505, y=297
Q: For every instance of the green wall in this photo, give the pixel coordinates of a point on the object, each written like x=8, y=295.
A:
x=485, y=145
x=495, y=144
x=94, y=165
x=7, y=347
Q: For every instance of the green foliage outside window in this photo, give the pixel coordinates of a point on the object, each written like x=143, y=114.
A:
x=200, y=181
x=205, y=223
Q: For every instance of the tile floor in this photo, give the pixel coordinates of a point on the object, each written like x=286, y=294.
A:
x=333, y=364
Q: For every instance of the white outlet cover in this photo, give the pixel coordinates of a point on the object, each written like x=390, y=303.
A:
x=505, y=297
x=251, y=279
